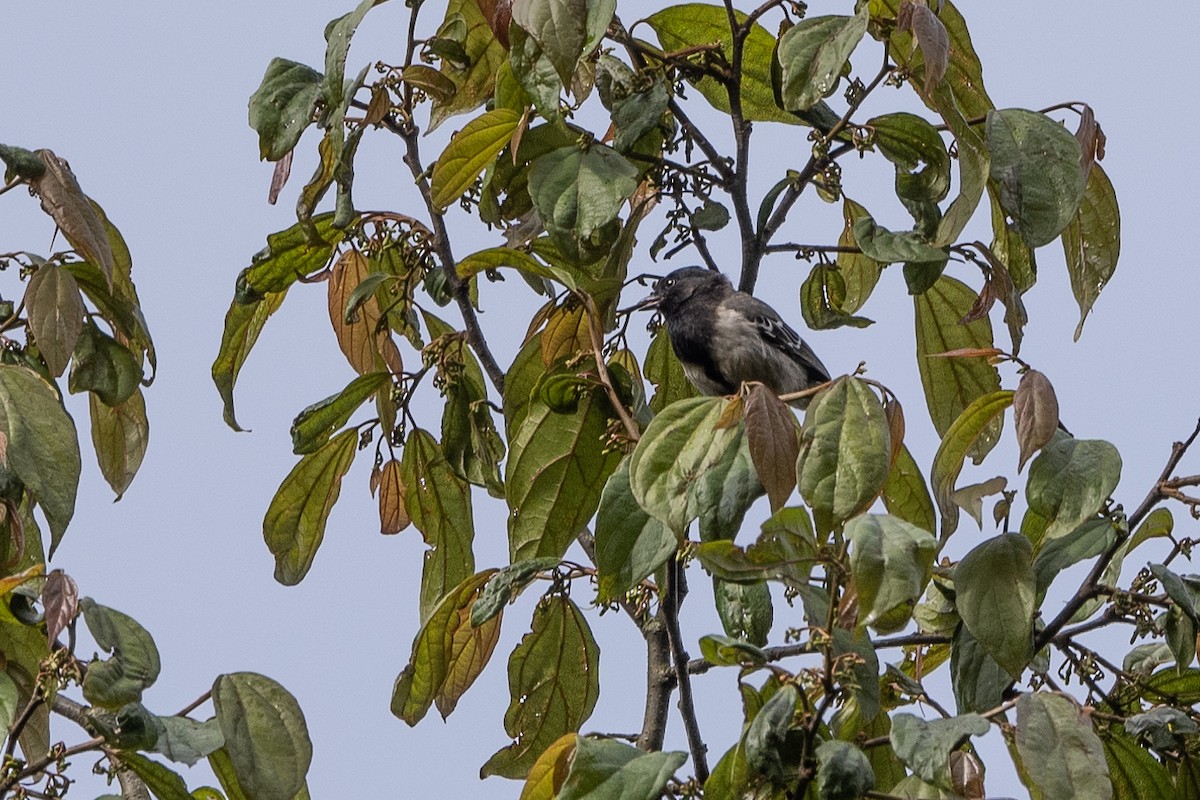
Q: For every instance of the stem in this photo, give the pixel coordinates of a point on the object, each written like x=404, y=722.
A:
x=660, y=681
x=670, y=601
x=593, y=323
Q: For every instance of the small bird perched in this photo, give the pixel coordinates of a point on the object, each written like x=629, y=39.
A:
x=725, y=337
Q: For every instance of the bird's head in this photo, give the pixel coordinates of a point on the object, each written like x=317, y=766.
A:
x=674, y=290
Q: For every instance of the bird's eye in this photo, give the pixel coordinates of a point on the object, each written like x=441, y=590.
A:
x=668, y=283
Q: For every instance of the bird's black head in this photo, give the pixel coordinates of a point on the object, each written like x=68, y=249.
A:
x=674, y=291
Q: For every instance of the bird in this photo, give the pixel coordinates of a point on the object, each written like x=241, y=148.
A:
x=724, y=337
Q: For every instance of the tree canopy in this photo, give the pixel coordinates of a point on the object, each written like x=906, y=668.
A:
x=869, y=643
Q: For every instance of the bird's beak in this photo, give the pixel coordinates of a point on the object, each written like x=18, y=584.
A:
x=651, y=301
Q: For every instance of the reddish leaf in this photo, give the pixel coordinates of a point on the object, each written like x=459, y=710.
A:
x=60, y=599
x=367, y=343
x=773, y=436
x=1091, y=139
x=55, y=314
x=283, y=168
x=969, y=352
x=73, y=212
x=393, y=517
x=1035, y=408
x=930, y=33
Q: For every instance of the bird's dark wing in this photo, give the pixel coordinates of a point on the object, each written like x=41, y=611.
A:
x=773, y=329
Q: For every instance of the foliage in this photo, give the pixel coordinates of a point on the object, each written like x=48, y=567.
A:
x=669, y=482
x=80, y=320
x=581, y=131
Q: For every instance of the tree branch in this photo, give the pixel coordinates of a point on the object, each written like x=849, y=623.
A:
x=669, y=602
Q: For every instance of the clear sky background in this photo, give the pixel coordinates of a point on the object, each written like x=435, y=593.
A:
x=148, y=103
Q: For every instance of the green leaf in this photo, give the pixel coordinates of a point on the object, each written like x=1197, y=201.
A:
x=439, y=504
x=289, y=255
x=469, y=152
x=1163, y=728
x=314, y=425
x=1092, y=242
x=785, y=550
x=1087, y=541
x=887, y=247
x=282, y=106
x=663, y=369
x=187, y=741
x=812, y=55
x=1157, y=523
x=845, y=449
x=578, y=190
x=863, y=682
x=891, y=562
x=41, y=447
x=976, y=422
x=1035, y=162
x=915, y=147
x=687, y=467
x=9, y=700
x=1133, y=771
x=243, y=323
x=496, y=257
x=447, y=654
x=905, y=494
x=696, y=24
x=951, y=384
x=556, y=470
x=723, y=651
x=20, y=163
x=163, y=782
x=745, y=609
x=603, y=769
x=959, y=97
x=134, y=664
x=843, y=772
x=1063, y=756
x=859, y=271
x=823, y=300
x=337, y=37
x=996, y=593
x=565, y=30
x=482, y=54
x=1070, y=480
x=630, y=544
x=104, y=366
x=925, y=747
x=55, y=314
x=554, y=681
x=505, y=585
x=119, y=436
x=1185, y=596
x=767, y=734
x=294, y=524
x=265, y=735
x=979, y=682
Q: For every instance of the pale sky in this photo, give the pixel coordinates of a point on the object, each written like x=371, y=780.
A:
x=147, y=101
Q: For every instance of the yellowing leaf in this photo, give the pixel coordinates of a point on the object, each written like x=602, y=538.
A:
x=366, y=343
x=469, y=152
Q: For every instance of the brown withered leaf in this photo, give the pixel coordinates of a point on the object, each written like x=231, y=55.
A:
x=366, y=343
x=565, y=335
x=379, y=106
x=982, y=305
x=60, y=599
x=733, y=413
x=774, y=439
x=894, y=412
x=72, y=211
x=966, y=775
x=930, y=34
x=968, y=352
x=393, y=517
x=1091, y=139
x=283, y=169
x=1035, y=408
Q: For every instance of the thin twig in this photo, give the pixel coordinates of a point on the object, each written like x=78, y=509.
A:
x=593, y=325
x=192, y=706
x=671, y=600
